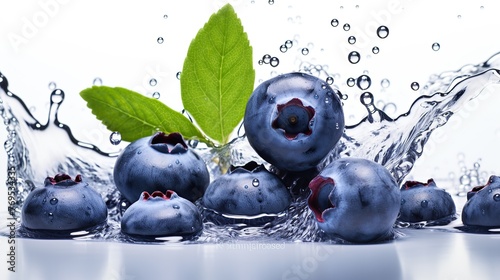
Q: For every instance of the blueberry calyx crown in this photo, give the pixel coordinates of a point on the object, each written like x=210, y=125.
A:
x=294, y=118
x=168, y=195
x=476, y=189
x=250, y=167
x=62, y=179
x=318, y=205
x=416, y=184
x=172, y=143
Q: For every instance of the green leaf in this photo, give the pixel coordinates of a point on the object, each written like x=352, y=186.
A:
x=218, y=76
x=134, y=115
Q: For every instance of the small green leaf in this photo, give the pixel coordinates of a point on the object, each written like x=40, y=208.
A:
x=134, y=115
x=218, y=76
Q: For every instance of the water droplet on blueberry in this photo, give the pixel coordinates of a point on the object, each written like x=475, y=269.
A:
x=496, y=197
x=54, y=201
x=255, y=182
x=329, y=80
x=424, y=203
x=175, y=206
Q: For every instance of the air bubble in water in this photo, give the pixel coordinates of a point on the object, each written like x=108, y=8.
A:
x=329, y=80
x=334, y=22
x=351, y=82
x=385, y=83
x=156, y=95
x=305, y=51
x=351, y=40
x=382, y=32
x=160, y=40
x=364, y=82
x=153, y=82
x=52, y=85
x=354, y=57
x=347, y=27
x=274, y=61
x=97, y=82
x=375, y=50
x=415, y=86
x=115, y=138
x=436, y=46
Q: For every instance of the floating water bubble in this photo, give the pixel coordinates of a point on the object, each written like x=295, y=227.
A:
x=354, y=57
x=366, y=98
x=274, y=61
x=156, y=95
x=115, y=138
x=364, y=82
x=351, y=82
x=271, y=2
x=382, y=32
x=436, y=47
x=266, y=58
x=415, y=86
x=305, y=51
x=261, y=62
x=97, y=81
x=347, y=27
x=329, y=80
x=375, y=50
x=160, y=40
x=283, y=48
x=351, y=40
x=153, y=82
x=334, y=22
x=52, y=85
x=385, y=83
x=288, y=43
x=178, y=75
x=459, y=16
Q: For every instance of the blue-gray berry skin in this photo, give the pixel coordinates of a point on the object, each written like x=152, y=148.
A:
x=425, y=202
x=248, y=190
x=153, y=163
x=160, y=215
x=483, y=205
x=63, y=204
x=293, y=121
x=355, y=199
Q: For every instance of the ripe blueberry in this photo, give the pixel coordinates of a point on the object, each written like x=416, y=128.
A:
x=63, y=204
x=293, y=121
x=159, y=215
x=483, y=205
x=249, y=190
x=355, y=199
x=425, y=202
x=152, y=163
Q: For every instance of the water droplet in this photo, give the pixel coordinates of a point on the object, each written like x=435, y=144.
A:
x=424, y=203
x=57, y=96
x=375, y=50
x=382, y=32
x=329, y=80
x=354, y=57
x=97, y=82
x=351, y=82
x=436, y=46
x=178, y=75
x=54, y=201
x=366, y=98
x=316, y=96
x=496, y=197
x=255, y=182
x=44, y=200
x=415, y=86
x=347, y=27
x=51, y=216
x=385, y=83
x=403, y=201
x=177, y=161
x=351, y=40
x=160, y=40
x=266, y=58
x=465, y=180
x=52, y=85
x=327, y=100
x=283, y=48
x=364, y=82
x=334, y=22
x=305, y=51
x=459, y=16
x=156, y=95
x=274, y=61
x=246, y=186
x=271, y=2
x=115, y=138
x=153, y=82
x=165, y=16
x=175, y=206
x=289, y=43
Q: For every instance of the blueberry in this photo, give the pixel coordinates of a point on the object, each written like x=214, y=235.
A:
x=425, y=202
x=248, y=190
x=152, y=163
x=293, y=121
x=483, y=205
x=355, y=199
x=63, y=204
x=160, y=215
